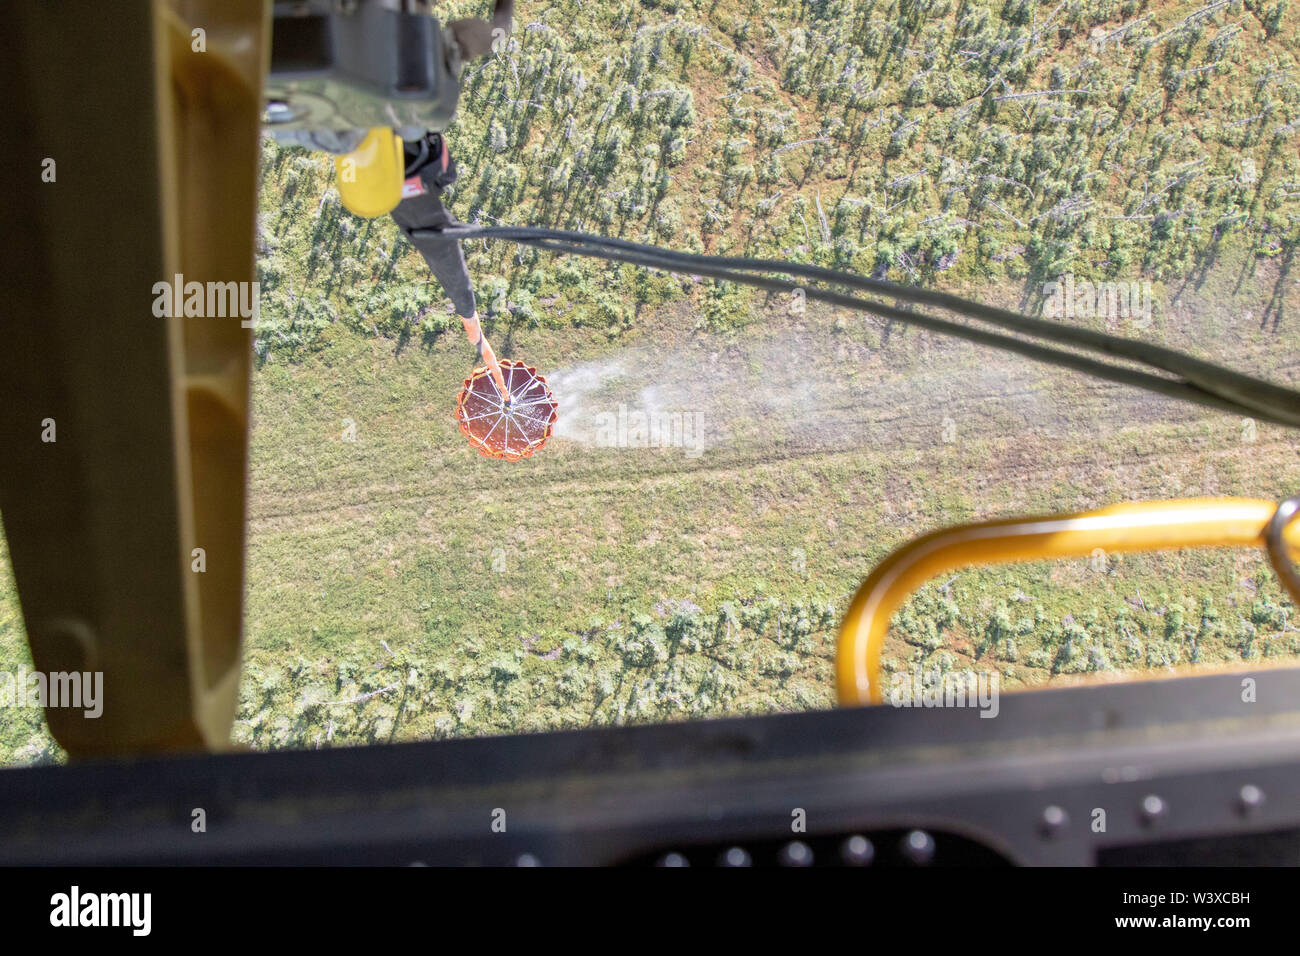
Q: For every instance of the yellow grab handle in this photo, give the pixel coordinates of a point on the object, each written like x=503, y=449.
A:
x=1135, y=526
x=370, y=177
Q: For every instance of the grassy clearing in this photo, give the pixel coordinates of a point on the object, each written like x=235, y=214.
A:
x=594, y=584
x=402, y=587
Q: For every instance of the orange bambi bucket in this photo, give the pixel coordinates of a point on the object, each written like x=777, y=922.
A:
x=511, y=429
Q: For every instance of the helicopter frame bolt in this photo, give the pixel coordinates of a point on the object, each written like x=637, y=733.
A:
x=1249, y=799
x=857, y=850
x=734, y=857
x=1054, y=821
x=1153, y=808
x=796, y=853
x=918, y=848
